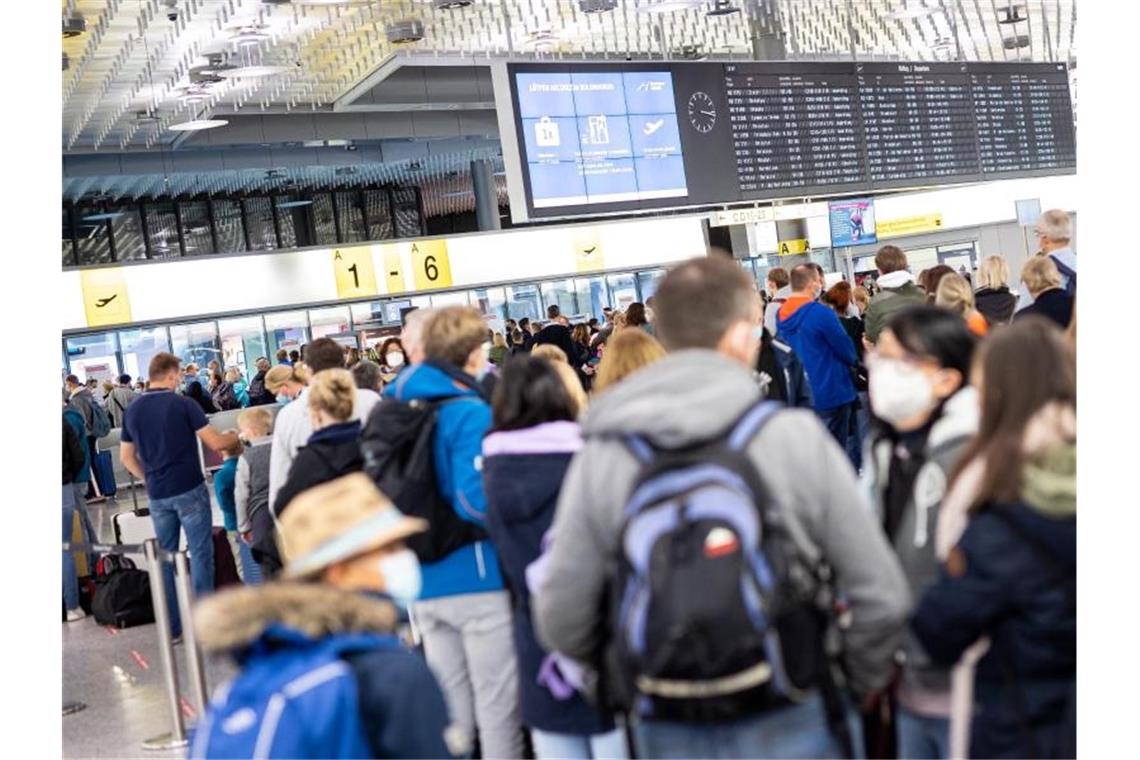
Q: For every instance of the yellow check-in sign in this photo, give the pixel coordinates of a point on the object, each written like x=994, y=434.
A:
x=354, y=272
x=105, y=298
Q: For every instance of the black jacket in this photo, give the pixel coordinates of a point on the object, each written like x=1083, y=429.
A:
x=1055, y=304
x=1010, y=585
x=73, y=457
x=258, y=395
x=556, y=334
x=997, y=306
x=331, y=452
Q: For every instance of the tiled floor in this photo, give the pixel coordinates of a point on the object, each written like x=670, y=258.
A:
x=118, y=674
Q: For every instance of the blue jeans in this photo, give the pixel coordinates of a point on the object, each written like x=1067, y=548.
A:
x=552, y=746
x=70, y=580
x=251, y=572
x=843, y=424
x=922, y=737
x=790, y=732
x=189, y=511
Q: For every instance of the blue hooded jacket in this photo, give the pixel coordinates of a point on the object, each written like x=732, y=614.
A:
x=819, y=340
x=460, y=427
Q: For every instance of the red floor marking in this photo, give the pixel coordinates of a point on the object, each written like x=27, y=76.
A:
x=111, y=630
x=187, y=710
x=140, y=660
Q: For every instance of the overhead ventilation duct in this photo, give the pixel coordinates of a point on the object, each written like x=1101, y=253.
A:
x=74, y=26
x=1016, y=42
x=448, y=5
x=403, y=32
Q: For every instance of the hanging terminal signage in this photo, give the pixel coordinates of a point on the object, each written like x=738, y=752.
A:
x=613, y=137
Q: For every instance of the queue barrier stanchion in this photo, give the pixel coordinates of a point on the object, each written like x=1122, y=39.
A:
x=194, y=669
x=155, y=560
x=177, y=736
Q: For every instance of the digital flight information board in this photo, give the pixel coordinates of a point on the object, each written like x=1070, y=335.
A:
x=611, y=137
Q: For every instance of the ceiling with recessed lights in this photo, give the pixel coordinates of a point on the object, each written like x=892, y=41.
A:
x=166, y=76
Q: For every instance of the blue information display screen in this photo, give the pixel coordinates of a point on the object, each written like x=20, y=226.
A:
x=600, y=137
x=852, y=221
x=616, y=137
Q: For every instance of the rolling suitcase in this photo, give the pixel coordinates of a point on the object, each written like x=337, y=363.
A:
x=133, y=527
x=104, y=469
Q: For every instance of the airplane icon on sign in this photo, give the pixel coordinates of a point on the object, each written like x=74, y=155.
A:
x=653, y=126
x=104, y=301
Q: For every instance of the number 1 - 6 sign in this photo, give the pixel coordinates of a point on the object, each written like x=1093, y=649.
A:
x=354, y=272
x=430, y=265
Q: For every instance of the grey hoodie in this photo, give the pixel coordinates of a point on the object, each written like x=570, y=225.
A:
x=695, y=395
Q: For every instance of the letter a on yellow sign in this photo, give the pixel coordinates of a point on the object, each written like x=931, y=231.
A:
x=105, y=297
x=430, y=265
x=355, y=275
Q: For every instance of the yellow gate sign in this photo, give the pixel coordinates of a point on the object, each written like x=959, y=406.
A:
x=393, y=268
x=588, y=253
x=792, y=247
x=430, y=265
x=355, y=275
x=105, y=297
x=909, y=225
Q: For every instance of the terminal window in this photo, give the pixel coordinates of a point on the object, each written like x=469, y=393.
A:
x=600, y=137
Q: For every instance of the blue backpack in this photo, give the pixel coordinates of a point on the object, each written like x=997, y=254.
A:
x=298, y=699
x=715, y=615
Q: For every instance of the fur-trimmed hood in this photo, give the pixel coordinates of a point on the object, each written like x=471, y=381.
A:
x=235, y=618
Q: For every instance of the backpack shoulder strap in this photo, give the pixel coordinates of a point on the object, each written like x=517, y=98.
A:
x=746, y=427
x=751, y=423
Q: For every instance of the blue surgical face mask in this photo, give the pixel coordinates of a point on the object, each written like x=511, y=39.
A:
x=283, y=399
x=402, y=579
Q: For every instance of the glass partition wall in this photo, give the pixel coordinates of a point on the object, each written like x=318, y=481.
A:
x=238, y=340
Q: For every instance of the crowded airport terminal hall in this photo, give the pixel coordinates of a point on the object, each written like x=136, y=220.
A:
x=569, y=379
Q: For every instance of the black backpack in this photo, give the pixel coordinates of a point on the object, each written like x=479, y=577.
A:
x=715, y=615
x=398, y=455
x=122, y=598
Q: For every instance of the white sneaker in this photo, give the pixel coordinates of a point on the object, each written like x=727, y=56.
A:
x=75, y=614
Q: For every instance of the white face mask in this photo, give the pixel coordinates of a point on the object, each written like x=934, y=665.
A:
x=394, y=358
x=899, y=391
x=402, y=580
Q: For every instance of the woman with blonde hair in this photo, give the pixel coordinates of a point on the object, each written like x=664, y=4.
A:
x=994, y=299
x=286, y=382
x=626, y=352
x=1050, y=299
x=955, y=294
x=333, y=449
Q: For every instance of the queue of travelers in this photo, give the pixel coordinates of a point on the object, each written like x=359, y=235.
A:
x=824, y=526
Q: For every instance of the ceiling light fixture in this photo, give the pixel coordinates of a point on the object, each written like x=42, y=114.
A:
x=456, y=194
x=294, y=204
x=74, y=26
x=253, y=72
x=1011, y=14
x=404, y=32
x=912, y=12
x=669, y=6
x=596, y=6
x=250, y=35
x=103, y=217
x=722, y=8
x=197, y=125
x=450, y=5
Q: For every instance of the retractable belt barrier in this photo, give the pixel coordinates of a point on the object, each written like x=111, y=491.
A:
x=156, y=557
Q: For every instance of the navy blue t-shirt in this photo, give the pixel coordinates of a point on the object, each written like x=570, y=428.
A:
x=163, y=426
